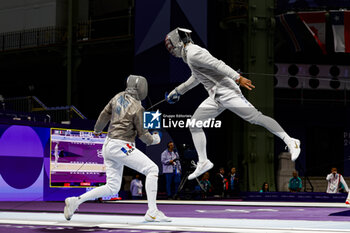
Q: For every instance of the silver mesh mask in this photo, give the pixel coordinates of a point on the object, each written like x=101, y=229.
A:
x=137, y=86
x=175, y=42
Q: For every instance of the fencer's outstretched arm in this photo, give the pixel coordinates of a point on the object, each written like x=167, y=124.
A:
x=144, y=135
x=187, y=85
x=202, y=58
x=175, y=94
x=104, y=118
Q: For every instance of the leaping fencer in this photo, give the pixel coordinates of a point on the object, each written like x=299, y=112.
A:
x=222, y=84
x=125, y=113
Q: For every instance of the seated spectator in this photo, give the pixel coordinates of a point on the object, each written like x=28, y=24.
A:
x=295, y=184
x=265, y=188
x=136, y=188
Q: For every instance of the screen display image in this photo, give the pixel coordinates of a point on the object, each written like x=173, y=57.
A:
x=76, y=158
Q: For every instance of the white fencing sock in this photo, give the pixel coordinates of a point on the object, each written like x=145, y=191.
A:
x=200, y=143
x=151, y=190
x=95, y=193
x=272, y=125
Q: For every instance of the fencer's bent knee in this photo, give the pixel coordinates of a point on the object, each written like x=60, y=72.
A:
x=255, y=118
x=259, y=119
x=152, y=176
x=152, y=170
x=193, y=127
x=114, y=188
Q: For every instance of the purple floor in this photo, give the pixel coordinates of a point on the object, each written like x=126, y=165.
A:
x=66, y=229
x=197, y=211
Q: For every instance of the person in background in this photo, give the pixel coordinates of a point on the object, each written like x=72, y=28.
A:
x=205, y=182
x=136, y=188
x=232, y=182
x=265, y=188
x=219, y=183
x=205, y=185
x=295, y=184
x=334, y=180
x=171, y=169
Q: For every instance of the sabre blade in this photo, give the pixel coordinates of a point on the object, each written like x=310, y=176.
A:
x=155, y=104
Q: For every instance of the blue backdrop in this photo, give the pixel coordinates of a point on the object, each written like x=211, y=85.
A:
x=153, y=20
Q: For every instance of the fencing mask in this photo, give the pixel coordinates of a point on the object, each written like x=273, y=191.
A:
x=137, y=87
x=176, y=39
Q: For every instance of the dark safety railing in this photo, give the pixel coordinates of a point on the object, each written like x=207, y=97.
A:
x=83, y=31
x=32, y=105
x=32, y=38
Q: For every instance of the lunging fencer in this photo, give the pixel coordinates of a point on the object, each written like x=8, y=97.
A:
x=125, y=114
x=222, y=84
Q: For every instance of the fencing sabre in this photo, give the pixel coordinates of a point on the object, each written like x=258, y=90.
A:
x=156, y=104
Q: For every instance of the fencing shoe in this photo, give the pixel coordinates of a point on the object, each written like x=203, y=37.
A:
x=200, y=169
x=156, y=216
x=72, y=204
x=294, y=148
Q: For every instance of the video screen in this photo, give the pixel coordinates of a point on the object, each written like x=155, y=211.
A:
x=76, y=158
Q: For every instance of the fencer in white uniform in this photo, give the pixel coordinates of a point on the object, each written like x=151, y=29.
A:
x=125, y=114
x=222, y=84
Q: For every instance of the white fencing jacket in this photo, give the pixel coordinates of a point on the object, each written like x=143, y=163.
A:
x=208, y=70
